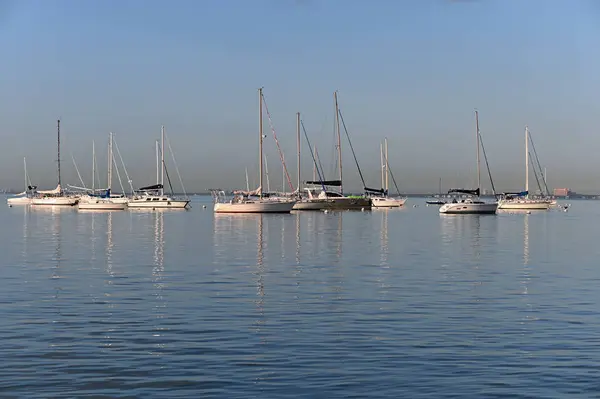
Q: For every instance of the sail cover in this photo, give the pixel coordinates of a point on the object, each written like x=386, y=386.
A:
x=464, y=191
x=151, y=188
x=56, y=191
x=519, y=194
x=375, y=190
x=333, y=183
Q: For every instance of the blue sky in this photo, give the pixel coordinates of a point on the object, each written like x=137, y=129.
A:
x=410, y=70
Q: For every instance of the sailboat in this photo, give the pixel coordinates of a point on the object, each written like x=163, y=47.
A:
x=386, y=201
x=521, y=200
x=321, y=194
x=473, y=204
x=102, y=202
x=25, y=197
x=437, y=201
x=55, y=197
x=153, y=197
x=242, y=201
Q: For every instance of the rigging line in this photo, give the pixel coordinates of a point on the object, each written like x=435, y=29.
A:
x=176, y=167
x=321, y=179
x=536, y=178
x=287, y=175
x=486, y=164
x=538, y=163
x=352, y=148
x=387, y=165
x=167, y=173
x=124, y=168
x=118, y=173
x=77, y=170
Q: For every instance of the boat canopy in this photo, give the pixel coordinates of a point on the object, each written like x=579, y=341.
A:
x=151, y=188
x=464, y=191
x=333, y=183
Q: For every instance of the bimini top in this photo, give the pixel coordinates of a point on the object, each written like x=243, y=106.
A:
x=464, y=191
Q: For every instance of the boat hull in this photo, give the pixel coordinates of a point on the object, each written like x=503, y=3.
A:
x=387, y=202
x=55, y=201
x=101, y=205
x=524, y=204
x=18, y=201
x=254, y=207
x=173, y=204
x=337, y=204
x=469, y=208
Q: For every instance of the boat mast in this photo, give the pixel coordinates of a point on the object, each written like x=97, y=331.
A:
x=527, y=160
x=387, y=168
x=110, y=156
x=382, y=166
x=298, y=145
x=477, y=140
x=315, y=165
x=93, y=165
x=339, y=139
x=162, y=160
x=25, y=169
x=260, y=144
x=157, y=164
x=58, y=151
x=440, y=186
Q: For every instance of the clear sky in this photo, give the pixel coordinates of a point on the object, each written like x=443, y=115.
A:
x=413, y=71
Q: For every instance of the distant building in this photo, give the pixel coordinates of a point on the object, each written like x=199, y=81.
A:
x=562, y=192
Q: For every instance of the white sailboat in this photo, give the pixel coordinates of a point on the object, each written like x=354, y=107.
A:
x=153, y=197
x=55, y=197
x=472, y=205
x=241, y=202
x=522, y=200
x=386, y=201
x=25, y=197
x=100, y=203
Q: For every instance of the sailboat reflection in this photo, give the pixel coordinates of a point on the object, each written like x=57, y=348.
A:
x=259, y=274
x=158, y=275
x=384, y=250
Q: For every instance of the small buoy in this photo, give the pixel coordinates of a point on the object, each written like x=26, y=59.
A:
x=325, y=211
x=204, y=206
x=529, y=212
x=414, y=206
x=153, y=209
x=10, y=205
x=362, y=209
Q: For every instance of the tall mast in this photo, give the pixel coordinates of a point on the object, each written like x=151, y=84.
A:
x=162, y=160
x=157, y=164
x=382, y=166
x=315, y=165
x=477, y=140
x=93, y=165
x=58, y=145
x=25, y=169
x=298, y=145
x=527, y=160
x=260, y=143
x=387, y=168
x=247, y=182
x=440, y=186
x=339, y=139
x=110, y=158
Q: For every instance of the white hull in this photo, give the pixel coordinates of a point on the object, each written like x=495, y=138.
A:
x=18, y=201
x=259, y=206
x=101, y=204
x=55, y=201
x=143, y=203
x=469, y=208
x=333, y=203
x=380, y=202
x=524, y=204
x=310, y=205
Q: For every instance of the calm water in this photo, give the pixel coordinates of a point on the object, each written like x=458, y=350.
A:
x=401, y=303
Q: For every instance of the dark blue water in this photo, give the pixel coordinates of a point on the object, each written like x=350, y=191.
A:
x=403, y=303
